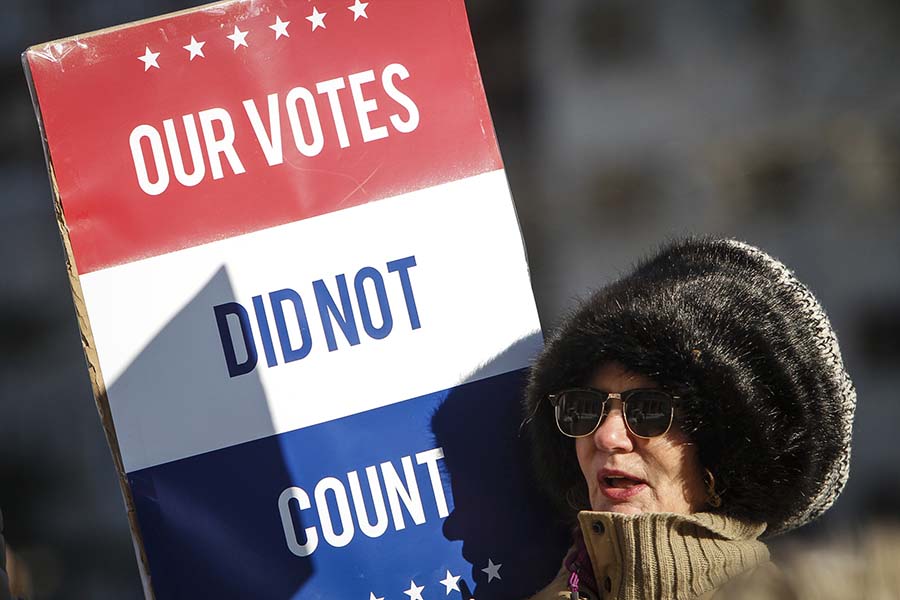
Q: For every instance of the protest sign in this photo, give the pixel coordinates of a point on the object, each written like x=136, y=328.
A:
x=304, y=298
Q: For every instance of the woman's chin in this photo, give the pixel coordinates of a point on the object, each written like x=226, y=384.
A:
x=624, y=508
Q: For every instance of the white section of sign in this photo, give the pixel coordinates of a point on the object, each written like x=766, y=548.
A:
x=162, y=357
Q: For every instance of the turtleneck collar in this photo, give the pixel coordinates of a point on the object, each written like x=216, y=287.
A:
x=662, y=555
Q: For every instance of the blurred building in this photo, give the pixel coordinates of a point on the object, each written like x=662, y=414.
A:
x=622, y=124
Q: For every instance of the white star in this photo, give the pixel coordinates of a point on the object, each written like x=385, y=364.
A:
x=149, y=59
x=372, y=596
x=239, y=38
x=317, y=19
x=450, y=582
x=492, y=570
x=195, y=48
x=280, y=27
x=359, y=10
x=415, y=591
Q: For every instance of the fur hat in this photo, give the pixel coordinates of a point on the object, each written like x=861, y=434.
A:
x=747, y=347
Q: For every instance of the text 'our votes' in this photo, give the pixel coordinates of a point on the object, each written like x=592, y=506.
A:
x=155, y=163
x=360, y=300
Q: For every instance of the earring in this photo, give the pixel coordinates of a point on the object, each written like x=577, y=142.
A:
x=713, y=498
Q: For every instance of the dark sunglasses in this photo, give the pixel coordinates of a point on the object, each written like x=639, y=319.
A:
x=580, y=411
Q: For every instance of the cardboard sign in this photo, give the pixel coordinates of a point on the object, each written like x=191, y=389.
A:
x=304, y=298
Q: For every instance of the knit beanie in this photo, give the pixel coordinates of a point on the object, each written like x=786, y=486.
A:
x=752, y=357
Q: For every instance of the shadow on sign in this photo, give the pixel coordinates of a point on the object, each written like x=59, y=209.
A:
x=498, y=513
x=209, y=522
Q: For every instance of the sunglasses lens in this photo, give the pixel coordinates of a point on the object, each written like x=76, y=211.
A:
x=649, y=413
x=578, y=412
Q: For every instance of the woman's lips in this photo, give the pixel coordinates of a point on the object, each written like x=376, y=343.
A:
x=618, y=485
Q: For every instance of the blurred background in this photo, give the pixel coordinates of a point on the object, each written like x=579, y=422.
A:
x=622, y=124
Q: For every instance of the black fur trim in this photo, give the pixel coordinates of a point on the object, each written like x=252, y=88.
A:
x=736, y=337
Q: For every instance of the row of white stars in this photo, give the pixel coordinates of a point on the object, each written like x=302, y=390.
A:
x=239, y=38
x=450, y=582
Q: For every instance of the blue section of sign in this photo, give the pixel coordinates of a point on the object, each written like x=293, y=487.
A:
x=424, y=491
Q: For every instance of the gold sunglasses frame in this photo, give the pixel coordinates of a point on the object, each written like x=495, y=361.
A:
x=623, y=397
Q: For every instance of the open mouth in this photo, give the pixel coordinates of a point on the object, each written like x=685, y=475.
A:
x=621, y=482
x=619, y=486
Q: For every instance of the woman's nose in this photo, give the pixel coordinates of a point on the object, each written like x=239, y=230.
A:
x=612, y=435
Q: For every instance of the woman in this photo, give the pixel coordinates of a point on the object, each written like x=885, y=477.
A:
x=681, y=413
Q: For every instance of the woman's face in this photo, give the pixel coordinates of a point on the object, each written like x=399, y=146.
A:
x=628, y=474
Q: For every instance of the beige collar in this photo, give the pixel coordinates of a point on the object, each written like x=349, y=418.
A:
x=662, y=555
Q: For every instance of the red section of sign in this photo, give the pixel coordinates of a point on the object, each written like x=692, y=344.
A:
x=96, y=92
